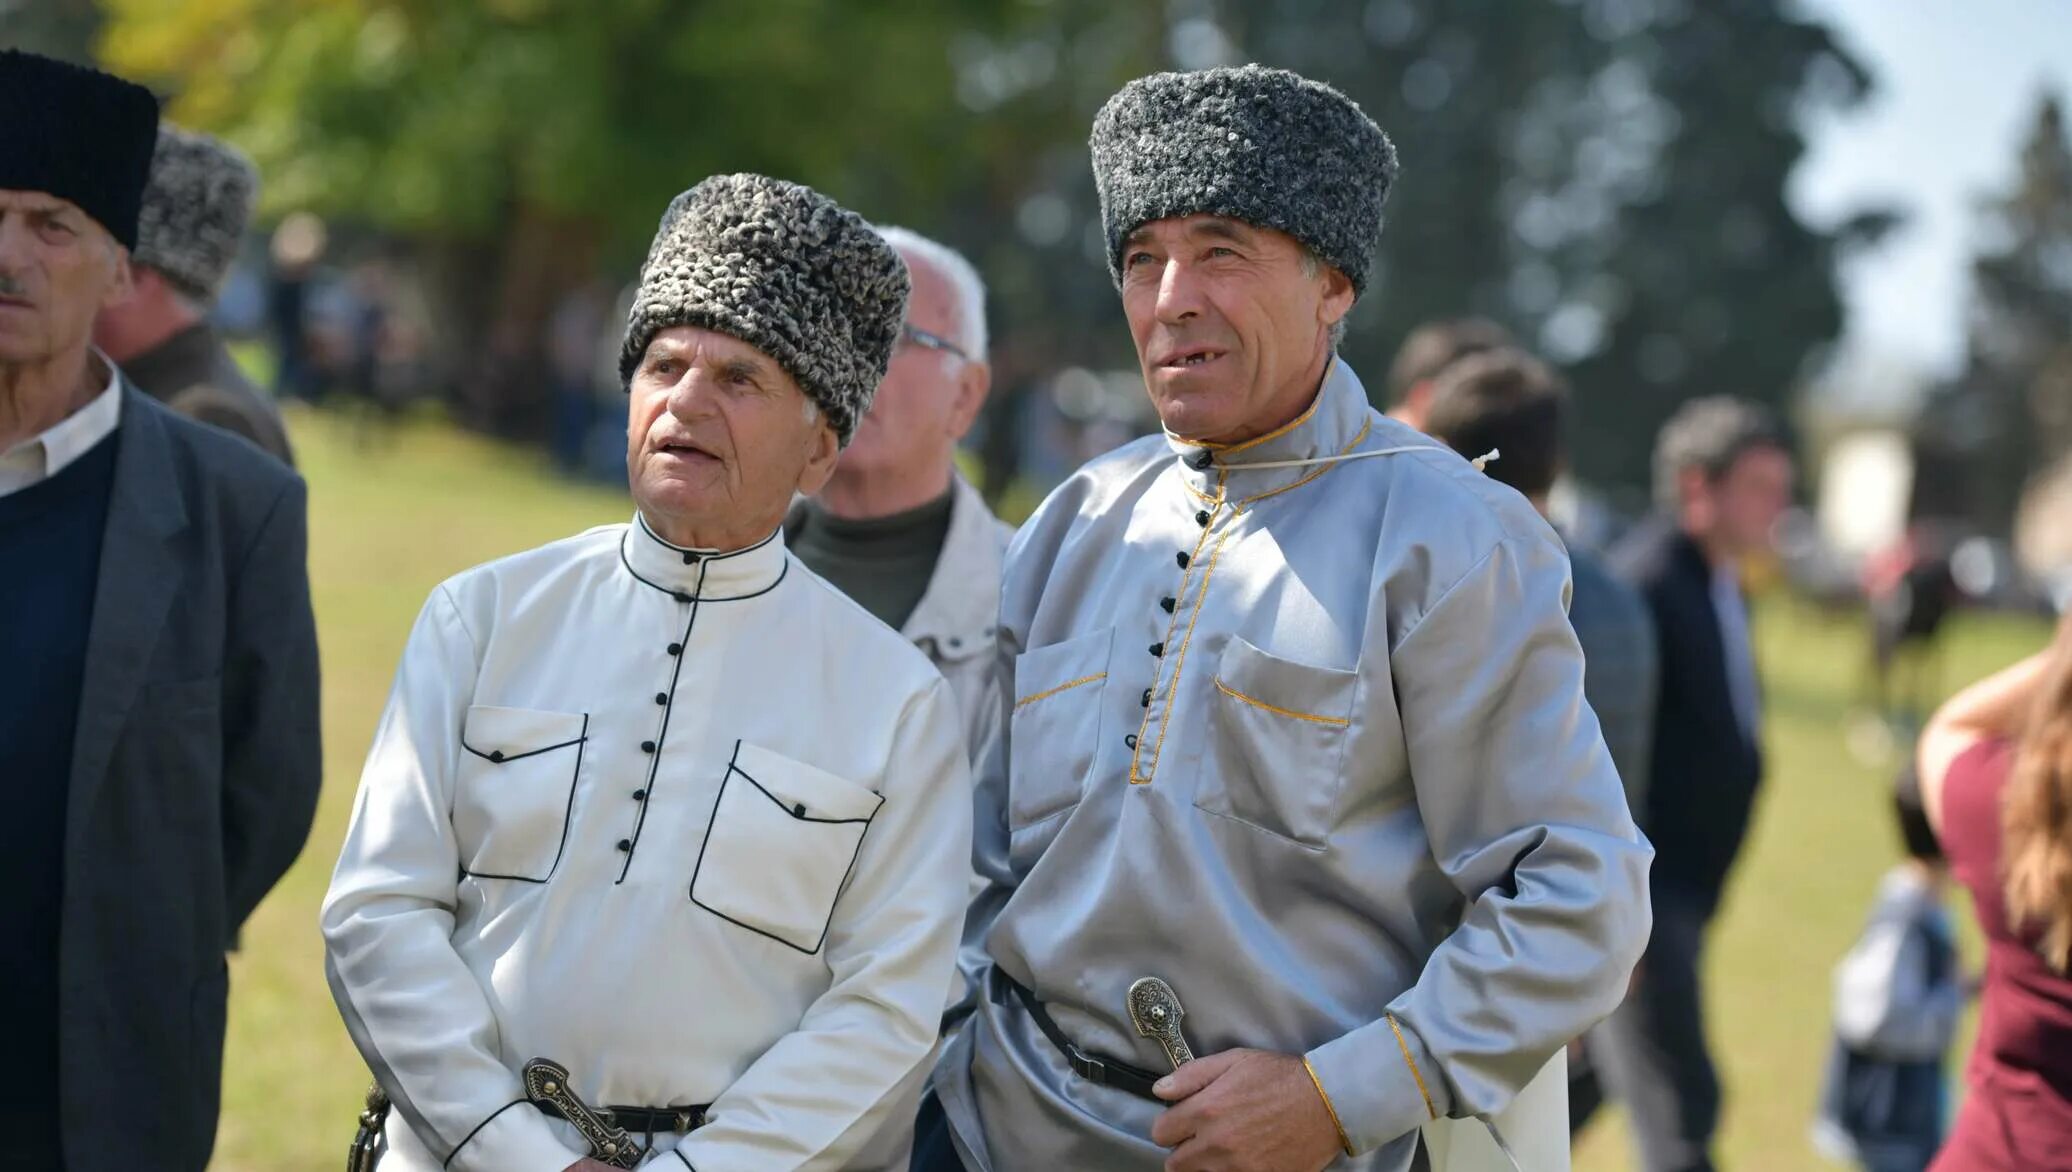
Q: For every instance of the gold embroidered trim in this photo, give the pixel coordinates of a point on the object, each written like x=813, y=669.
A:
x=1233, y=693
x=1319, y=471
x=1173, y=688
x=1430, y=1110
x=1067, y=686
x=1308, y=413
x=1343, y=1140
x=1173, y=624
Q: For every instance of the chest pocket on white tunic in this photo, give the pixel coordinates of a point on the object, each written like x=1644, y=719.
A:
x=783, y=839
x=1281, y=729
x=1056, y=729
x=513, y=790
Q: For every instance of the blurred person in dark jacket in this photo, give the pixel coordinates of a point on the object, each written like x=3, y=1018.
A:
x=1723, y=476
x=196, y=206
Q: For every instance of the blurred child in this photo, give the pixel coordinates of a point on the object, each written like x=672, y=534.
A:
x=1898, y=994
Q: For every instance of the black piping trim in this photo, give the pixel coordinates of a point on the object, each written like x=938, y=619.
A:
x=680, y=596
x=448, y=1161
x=732, y=769
x=792, y=812
x=678, y=1153
x=704, y=554
x=703, y=561
x=568, y=812
x=507, y=759
x=662, y=733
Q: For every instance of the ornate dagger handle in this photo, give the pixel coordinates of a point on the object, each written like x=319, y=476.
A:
x=1155, y=1011
x=546, y=1083
x=366, y=1151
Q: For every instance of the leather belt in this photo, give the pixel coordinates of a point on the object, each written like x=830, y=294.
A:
x=645, y=1120
x=1107, y=1072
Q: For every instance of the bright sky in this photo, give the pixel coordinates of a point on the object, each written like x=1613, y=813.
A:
x=1958, y=82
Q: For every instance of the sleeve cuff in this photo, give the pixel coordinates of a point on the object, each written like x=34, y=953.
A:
x=515, y=1139
x=1379, y=1082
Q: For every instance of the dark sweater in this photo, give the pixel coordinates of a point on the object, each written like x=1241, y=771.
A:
x=50, y=557
x=882, y=564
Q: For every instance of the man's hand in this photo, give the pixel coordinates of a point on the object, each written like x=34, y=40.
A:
x=1245, y=1111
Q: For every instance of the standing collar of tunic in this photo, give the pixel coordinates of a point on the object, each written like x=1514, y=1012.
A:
x=1335, y=423
x=707, y=575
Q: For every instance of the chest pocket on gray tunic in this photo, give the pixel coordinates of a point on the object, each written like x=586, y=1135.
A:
x=783, y=840
x=1056, y=730
x=1281, y=728
x=513, y=790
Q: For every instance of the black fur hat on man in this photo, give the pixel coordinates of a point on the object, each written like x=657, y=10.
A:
x=1266, y=146
x=786, y=270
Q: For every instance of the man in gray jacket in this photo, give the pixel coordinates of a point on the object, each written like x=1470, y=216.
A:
x=1294, y=718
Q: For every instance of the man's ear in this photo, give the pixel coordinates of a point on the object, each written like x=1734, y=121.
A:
x=1338, y=297
x=973, y=381
x=122, y=284
x=820, y=459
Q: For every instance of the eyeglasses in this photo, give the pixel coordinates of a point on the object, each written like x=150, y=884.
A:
x=928, y=341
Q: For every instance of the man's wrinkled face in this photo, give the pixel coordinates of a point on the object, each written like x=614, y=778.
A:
x=58, y=269
x=718, y=438
x=1232, y=323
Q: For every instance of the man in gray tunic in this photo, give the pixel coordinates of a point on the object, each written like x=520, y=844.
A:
x=1294, y=717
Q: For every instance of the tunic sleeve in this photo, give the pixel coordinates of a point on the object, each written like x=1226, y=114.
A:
x=412, y=1007
x=1525, y=816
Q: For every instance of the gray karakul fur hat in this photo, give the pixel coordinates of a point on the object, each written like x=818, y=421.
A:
x=1266, y=146
x=196, y=207
x=786, y=270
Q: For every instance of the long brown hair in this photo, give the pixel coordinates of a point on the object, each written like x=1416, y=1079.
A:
x=2036, y=815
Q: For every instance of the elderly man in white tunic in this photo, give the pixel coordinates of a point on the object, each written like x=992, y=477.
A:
x=654, y=802
x=1294, y=723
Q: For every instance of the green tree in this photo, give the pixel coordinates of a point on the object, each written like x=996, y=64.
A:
x=2008, y=417
x=526, y=142
x=1605, y=176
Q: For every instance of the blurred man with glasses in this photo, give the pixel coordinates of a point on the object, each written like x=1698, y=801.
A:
x=897, y=528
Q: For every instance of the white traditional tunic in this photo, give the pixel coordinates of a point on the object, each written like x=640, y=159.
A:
x=693, y=825
x=1307, y=740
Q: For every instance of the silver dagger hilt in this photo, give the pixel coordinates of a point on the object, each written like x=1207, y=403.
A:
x=546, y=1084
x=1156, y=1012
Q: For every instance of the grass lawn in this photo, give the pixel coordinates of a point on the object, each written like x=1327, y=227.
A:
x=388, y=523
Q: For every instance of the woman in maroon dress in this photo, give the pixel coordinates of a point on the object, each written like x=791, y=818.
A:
x=1996, y=774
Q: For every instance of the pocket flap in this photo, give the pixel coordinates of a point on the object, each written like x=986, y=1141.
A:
x=1299, y=691
x=506, y=734
x=1043, y=672
x=806, y=793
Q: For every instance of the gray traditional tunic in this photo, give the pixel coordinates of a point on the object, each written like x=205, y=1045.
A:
x=1309, y=743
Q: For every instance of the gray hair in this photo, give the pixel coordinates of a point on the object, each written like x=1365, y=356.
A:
x=965, y=283
x=1708, y=435
x=1312, y=266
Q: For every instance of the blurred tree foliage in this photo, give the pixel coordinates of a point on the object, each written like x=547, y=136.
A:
x=1605, y=176
x=2007, y=418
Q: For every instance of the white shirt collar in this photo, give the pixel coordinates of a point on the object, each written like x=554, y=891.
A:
x=44, y=455
x=709, y=575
